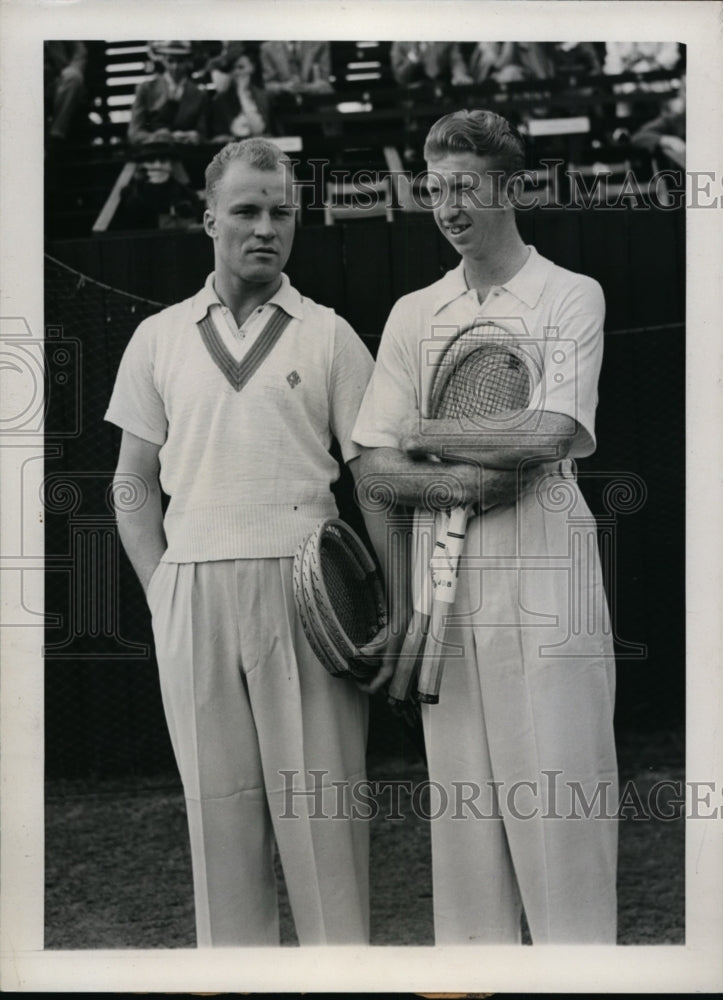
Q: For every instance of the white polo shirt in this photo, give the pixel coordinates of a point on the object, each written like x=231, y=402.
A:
x=558, y=313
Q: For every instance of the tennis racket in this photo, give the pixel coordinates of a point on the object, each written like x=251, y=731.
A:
x=484, y=372
x=318, y=640
x=409, y=661
x=340, y=598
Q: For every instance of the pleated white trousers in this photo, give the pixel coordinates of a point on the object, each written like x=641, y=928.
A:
x=521, y=742
x=265, y=740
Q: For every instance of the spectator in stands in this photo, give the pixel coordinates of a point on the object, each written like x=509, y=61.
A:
x=65, y=89
x=296, y=67
x=203, y=55
x=414, y=63
x=242, y=109
x=217, y=67
x=575, y=58
x=157, y=197
x=510, y=62
x=640, y=57
x=169, y=106
x=666, y=133
x=442, y=62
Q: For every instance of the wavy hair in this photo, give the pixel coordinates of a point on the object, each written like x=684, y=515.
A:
x=482, y=133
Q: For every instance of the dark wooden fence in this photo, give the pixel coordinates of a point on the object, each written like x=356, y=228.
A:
x=103, y=713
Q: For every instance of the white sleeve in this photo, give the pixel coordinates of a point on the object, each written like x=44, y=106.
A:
x=572, y=361
x=135, y=403
x=351, y=369
x=392, y=395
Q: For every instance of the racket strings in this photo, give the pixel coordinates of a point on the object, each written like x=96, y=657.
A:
x=339, y=598
x=353, y=604
x=490, y=380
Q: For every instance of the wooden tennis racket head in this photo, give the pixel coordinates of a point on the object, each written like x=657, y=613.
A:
x=335, y=665
x=489, y=370
x=342, y=597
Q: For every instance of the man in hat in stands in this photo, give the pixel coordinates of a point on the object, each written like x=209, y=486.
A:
x=160, y=195
x=169, y=106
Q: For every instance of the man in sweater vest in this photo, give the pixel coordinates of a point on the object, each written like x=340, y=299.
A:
x=228, y=402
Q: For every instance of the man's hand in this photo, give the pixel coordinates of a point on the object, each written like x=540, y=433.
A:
x=460, y=78
x=160, y=135
x=71, y=72
x=318, y=87
x=290, y=86
x=192, y=137
x=383, y=650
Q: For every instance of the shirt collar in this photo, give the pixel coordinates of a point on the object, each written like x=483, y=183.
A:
x=452, y=286
x=526, y=285
x=286, y=296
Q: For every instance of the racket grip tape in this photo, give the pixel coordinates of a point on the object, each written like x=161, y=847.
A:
x=407, y=666
x=430, y=673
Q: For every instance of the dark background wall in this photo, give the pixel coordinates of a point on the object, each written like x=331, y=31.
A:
x=103, y=712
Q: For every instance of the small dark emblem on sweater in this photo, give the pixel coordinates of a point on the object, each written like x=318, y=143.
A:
x=293, y=378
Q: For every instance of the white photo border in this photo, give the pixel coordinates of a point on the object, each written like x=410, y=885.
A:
x=695, y=966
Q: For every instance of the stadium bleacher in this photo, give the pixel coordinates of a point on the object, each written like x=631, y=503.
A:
x=371, y=124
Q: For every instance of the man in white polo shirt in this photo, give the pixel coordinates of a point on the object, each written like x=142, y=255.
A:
x=228, y=403
x=521, y=743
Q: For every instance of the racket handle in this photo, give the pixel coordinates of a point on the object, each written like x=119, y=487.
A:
x=407, y=666
x=445, y=575
x=430, y=674
x=445, y=561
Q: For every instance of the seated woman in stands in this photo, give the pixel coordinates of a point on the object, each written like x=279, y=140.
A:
x=666, y=132
x=169, y=107
x=242, y=109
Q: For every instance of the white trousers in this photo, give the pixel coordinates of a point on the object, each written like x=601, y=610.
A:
x=261, y=732
x=521, y=743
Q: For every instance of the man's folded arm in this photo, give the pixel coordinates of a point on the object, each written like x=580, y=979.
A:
x=432, y=484
x=527, y=437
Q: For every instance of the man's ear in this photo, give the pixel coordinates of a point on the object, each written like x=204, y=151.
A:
x=209, y=223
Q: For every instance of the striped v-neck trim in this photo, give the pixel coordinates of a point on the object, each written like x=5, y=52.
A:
x=236, y=372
